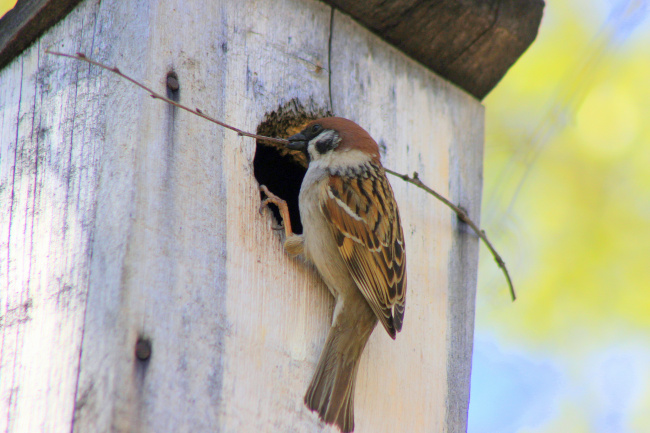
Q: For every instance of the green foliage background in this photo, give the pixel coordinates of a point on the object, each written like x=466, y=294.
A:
x=567, y=204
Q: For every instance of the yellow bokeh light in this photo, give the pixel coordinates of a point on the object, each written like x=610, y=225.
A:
x=607, y=122
x=6, y=5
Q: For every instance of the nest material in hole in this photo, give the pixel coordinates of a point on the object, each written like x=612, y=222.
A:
x=287, y=120
x=278, y=167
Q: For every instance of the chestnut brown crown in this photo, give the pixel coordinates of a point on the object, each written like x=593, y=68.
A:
x=335, y=134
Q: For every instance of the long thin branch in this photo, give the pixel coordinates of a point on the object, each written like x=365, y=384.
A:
x=462, y=215
x=413, y=180
x=197, y=112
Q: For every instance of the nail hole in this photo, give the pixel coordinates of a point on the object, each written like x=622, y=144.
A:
x=143, y=349
x=172, y=81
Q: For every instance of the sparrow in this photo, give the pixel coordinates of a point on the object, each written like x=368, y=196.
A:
x=353, y=236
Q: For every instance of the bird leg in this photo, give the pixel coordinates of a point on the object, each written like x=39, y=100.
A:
x=282, y=206
x=293, y=244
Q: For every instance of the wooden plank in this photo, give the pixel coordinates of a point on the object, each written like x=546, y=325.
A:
x=471, y=43
x=14, y=304
x=416, y=117
x=181, y=254
x=465, y=189
x=48, y=176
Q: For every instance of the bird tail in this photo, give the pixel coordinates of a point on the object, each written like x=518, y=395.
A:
x=331, y=392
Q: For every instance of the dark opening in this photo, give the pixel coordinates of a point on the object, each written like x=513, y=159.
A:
x=279, y=168
x=282, y=176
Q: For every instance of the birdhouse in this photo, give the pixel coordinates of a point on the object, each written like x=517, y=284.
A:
x=141, y=288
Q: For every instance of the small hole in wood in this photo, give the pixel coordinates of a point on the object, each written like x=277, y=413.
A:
x=279, y=168
x=172, y=81
x=143, y=349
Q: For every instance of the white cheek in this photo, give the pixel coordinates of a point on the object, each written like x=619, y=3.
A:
x=313, y=153
x=334, y=160
x=327, y=135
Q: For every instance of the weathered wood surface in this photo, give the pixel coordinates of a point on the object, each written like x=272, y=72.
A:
x=123, y=217
x=471, y=43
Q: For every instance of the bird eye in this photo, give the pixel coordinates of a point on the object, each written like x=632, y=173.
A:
x=316, y=128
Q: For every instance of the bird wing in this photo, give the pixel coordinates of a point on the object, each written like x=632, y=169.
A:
x=364, y=220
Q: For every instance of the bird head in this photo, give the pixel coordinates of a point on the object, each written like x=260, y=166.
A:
x=335, y=141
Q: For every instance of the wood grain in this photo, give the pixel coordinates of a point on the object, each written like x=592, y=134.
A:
x=49, y=153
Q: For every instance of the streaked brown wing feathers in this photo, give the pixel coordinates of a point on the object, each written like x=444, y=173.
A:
x=365, y=223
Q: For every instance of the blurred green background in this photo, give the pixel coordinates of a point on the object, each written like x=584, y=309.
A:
x=567, y=204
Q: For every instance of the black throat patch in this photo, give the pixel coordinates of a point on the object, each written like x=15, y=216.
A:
x=327, y=141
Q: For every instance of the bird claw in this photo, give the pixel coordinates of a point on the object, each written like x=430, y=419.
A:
x=264, y=205
x=270, y=198
x=282, y=206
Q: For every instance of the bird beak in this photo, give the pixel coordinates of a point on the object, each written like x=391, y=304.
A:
x=297, y=142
